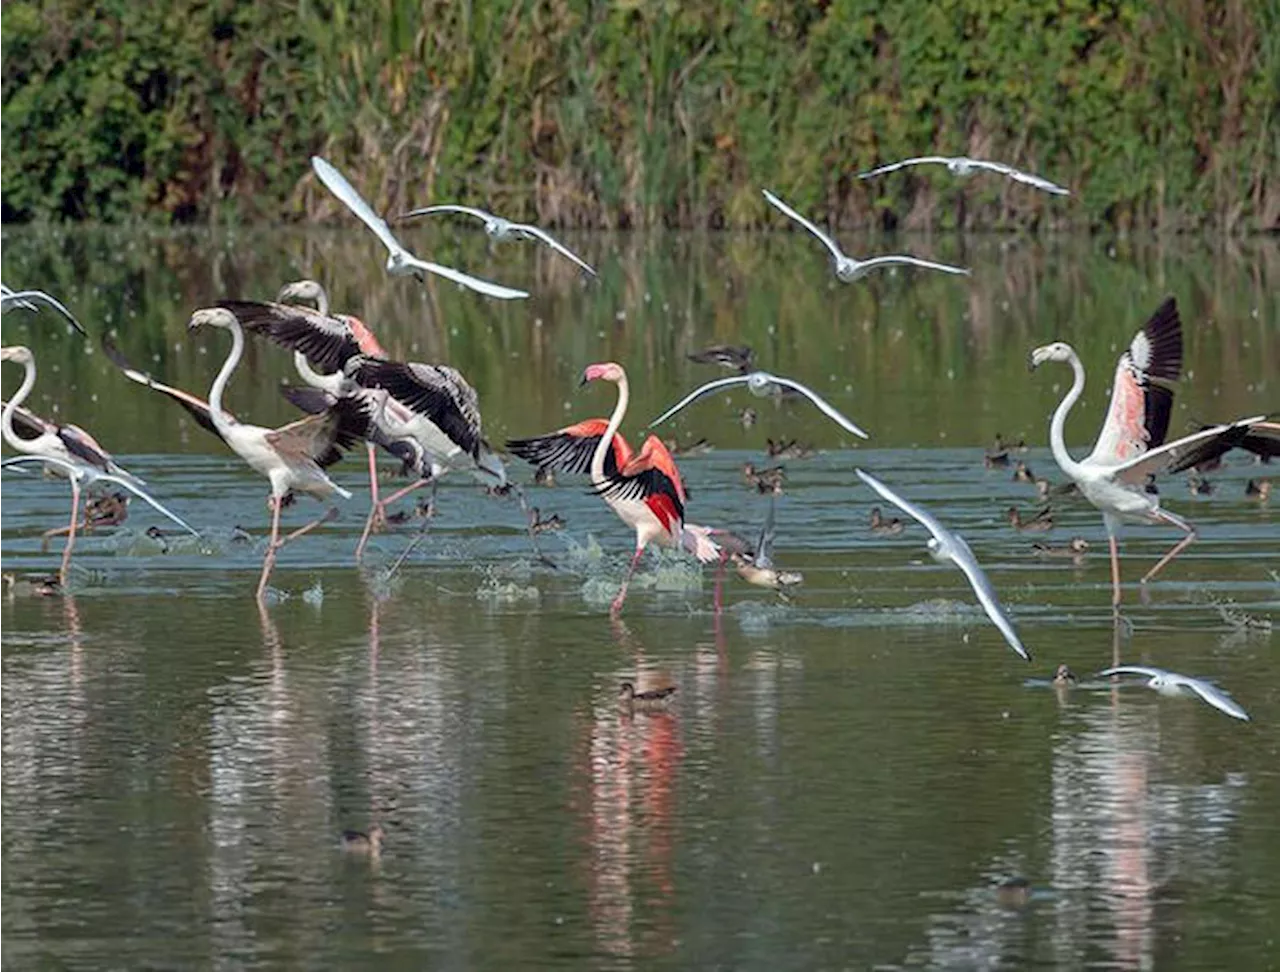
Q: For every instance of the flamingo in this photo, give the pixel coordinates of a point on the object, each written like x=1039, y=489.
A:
x=400, y=262
x=499, y=229
x=68, y=449
x=1131, y=445
x=849, y=269
x=644, y=488
x=294, y=456
x=961, y=165
x=427, y=415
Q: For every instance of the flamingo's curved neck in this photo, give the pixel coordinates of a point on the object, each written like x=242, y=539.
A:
x=615, y=421
x=331, y=383
x=1057, y=440
x=6, y=421
x=220, y=420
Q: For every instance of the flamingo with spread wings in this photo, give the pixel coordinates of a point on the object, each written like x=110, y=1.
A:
x=1131, y=445
x=644, y=488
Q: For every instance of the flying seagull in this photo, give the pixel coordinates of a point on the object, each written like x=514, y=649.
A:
x=1171, y=683
x=500, y=229
x=847, y=268
x=762, y=384
x=400, y=262
x=945, y=545
x=963, y=166
x=28, y=299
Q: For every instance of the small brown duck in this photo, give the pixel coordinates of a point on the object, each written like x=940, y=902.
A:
x=885, y=528
x=100, y=511
x=1199, y=486
x=756, y=567
x=1041, y=522
x=1064, y=676
x=738, y=358
x=1075, y=548
x=1001, y=446
x=765, y=480
x=358, y=842
x=1022, y=473
x=788, y=449
x=544, y=476
x=41, y=585
x=747, y=418
x=1258, y=489
x=1045, y=489
x=698, y=448
x=538, y=525
x=649, y=701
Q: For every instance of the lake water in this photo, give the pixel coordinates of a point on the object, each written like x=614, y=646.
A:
x=842, y=780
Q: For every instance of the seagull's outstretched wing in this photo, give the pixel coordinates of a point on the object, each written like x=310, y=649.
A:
x=1018, y=175
x=894, y=166
x=26, y=299
x=1209, y=693
x=786, y=210
x=337, y=183
x=883, y=261
x=953, y=546
x=759, y=379
x=448, y=208
x=555, y=244
x=107, y=477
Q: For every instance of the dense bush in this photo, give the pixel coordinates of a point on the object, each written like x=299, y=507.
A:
x=638, y=113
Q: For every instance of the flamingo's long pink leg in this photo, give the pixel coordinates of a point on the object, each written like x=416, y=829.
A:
x=373, y=477
x=71, y=532
x=379, y=511
x=719, y=588
x=1178, y=547
x=330, y=514
x=616, y=607
x=270, y=559
x=1115, y=573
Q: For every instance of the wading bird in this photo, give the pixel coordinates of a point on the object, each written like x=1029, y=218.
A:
x=1171, y=683
x=400, y=262
x=945, y=545
x=847, y=268
x=1131, y=445
x=28, y=299
x=963, y=166
x=65, y=449
x=643, y=488
x=294, y=456
x=499, y=229
x=761, y=384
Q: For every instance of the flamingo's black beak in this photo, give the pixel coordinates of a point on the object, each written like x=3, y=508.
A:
x=1031, y=361
x=582, y=382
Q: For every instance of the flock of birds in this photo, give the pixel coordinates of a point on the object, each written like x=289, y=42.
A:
x=428, y=417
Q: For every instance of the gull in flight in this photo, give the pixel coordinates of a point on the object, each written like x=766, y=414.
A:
x=945, y=545
x=763, y=384
x=1171, y=683
x=847, y=268
x=962, y=166
x=28, y=299
x=500, y=229
x=400, y=262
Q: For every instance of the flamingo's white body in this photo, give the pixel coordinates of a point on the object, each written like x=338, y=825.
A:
x=1131, y=445
x=67, y=450
x=291, y=457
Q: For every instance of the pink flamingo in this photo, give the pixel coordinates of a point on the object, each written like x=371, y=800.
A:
x=643, y=488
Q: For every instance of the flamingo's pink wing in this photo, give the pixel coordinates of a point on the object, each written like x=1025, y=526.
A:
x=570, y=449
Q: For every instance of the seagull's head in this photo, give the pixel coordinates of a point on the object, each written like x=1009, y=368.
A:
x=935, y=548
x=212, y=317
x=604, y=371
x=303, y=290
x=1057, y=351
x=17, y=353
x=760, y=383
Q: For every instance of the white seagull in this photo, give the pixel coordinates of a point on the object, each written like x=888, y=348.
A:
x=945, y=545
x=963, y=166
x=28, y=299
x=1131, y=445
x=400, y=262
x=500, y=229
x=1171, y=683
x=847, y=268
x=762, y=384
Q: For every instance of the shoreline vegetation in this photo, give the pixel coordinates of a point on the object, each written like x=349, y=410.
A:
x=631, y=114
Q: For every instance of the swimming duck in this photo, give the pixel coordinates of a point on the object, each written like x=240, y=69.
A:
x=697, y=448
x=538, y=525
x=1198, y=485
x=1076, y=548
x=1259, y=489
x=651, y=700
x=885, y=528
x=747, y=418
x=544, y=476
x=1064, y=676
x=358, y=842
x=42, y=585
x=765, y=480
x=789, y=449
x=1042, y=521
x=1022, y=473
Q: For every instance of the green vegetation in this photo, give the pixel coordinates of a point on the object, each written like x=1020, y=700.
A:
x=640, y=113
